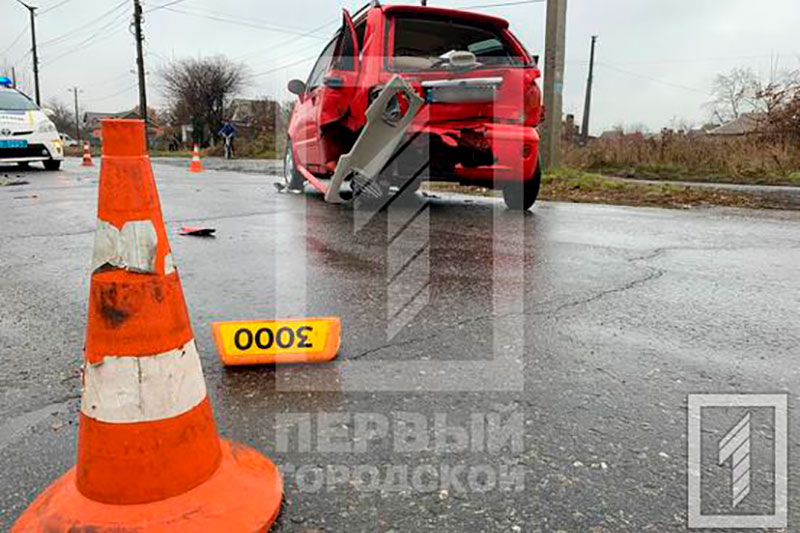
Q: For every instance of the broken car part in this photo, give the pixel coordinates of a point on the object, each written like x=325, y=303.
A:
x=388, y=120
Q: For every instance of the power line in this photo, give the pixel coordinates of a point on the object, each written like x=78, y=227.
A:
x=272, y=49
x=112, y=80
x=270, y=58
x=75, y=31
x=259, y=26
x=21, y=58
x=126, y=89
x=654, y=80
x=163, y=6
x=105, y=32
x=503, y=4
x=276, y=69
x=56, y=6
x=15, y=41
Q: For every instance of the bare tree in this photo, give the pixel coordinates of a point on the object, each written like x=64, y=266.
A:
x=779, y=100
x=733, y=94
x=199, y=91
x=62, y=116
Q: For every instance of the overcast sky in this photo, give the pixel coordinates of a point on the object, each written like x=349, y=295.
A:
x=656, y=58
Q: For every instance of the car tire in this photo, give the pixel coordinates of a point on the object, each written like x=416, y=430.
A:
x=520, y=196
x=291, y=176
x=52, y=164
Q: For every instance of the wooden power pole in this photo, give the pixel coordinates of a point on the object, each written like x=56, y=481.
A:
x=587, y=106
x=34, y=51
x=137, y=23
x=553, y=80
x=75, y=92
x=35, y=54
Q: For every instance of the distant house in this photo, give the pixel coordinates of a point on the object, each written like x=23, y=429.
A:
x=612, y=134
x=570, y=132
x=702, y=131
x=91, y=121
x=257, y=114
x=746, y=124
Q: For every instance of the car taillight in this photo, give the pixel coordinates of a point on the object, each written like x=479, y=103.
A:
x=533, y=106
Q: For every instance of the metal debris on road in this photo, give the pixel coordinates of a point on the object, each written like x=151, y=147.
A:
x=197, y=232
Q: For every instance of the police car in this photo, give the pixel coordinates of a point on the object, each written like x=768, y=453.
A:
x=26, y=133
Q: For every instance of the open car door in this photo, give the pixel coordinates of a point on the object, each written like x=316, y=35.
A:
x=339, y=85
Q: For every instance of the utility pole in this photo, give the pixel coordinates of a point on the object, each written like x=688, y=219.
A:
x=75, y=91
x=14, y=77
x=137, y=22
x=35, y=52
x=587, y=106
x=553, y=80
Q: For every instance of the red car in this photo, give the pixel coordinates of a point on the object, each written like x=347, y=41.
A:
x=474, y=123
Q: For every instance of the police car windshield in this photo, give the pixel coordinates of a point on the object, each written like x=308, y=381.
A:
x=11, y=100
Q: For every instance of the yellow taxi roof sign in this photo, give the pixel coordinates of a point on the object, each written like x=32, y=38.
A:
x=292, y=340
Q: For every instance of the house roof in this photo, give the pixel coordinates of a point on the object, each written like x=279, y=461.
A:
x=244, y=110
x=90, y=117
x=611, y=134
x=746, y=123
x=95, y=115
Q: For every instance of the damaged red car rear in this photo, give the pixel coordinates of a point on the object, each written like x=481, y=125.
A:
x=476, y=122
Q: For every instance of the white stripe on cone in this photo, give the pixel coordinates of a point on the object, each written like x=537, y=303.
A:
x=122, y=390
x=132, y=248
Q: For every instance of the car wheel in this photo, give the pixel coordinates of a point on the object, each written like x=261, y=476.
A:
x=52, y=164
x=291, y=176
x=520, y=196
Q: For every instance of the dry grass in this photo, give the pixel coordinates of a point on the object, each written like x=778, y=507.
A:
x=677, y=157
x=570, y=185
x=260, y=147
x=573, y=185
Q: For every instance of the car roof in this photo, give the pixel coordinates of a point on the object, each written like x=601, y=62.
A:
x=12, y=90
x=446, y=13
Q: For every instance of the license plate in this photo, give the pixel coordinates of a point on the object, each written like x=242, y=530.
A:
x=14, y=144
x=299, y=340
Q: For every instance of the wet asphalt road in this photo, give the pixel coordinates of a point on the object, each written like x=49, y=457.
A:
x=584, y=327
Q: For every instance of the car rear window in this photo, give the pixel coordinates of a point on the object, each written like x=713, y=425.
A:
x=419, y=43
x=14, y=101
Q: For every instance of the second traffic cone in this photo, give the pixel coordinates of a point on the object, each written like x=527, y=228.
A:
x=87, y=156
x=149, y=457
x=196, y=165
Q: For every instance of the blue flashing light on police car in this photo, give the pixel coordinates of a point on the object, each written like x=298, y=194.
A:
x=5, y=81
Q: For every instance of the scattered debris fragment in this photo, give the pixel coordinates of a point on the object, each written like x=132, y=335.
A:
x=283, y=189
x=197, y=232
x=5, y=182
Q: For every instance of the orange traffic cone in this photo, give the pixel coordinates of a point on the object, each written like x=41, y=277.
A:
x=87, y=156
x=196, y=165
x=149, y=457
